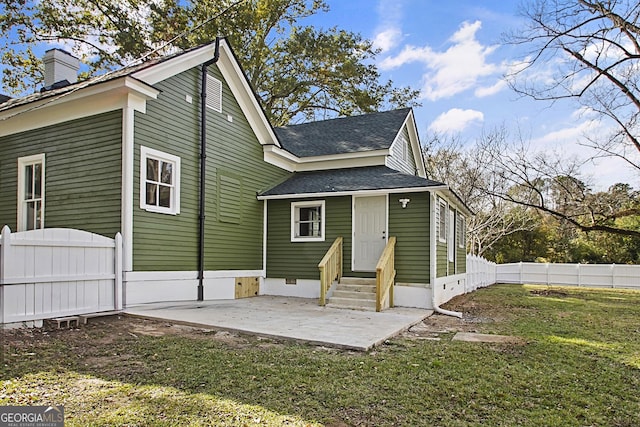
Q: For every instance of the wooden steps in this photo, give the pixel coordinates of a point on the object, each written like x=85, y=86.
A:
x=354, y=293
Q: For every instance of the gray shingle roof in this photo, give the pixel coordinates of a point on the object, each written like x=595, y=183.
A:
x=348, y=180
x=125, y=71
x=375, y=131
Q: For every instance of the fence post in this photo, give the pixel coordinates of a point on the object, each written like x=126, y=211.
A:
x=119, y=296
x=613, y=275
x=579, y=275
x=5, y=243
x=521, y=282
x=548, y=281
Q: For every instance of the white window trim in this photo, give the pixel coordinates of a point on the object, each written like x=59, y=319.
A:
x=146, y=152
x=442, y=238
x=451, y=235
x=294, y=206
x=22, y=163
x=462, y=230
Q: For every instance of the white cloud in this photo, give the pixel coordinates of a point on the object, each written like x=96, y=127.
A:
x=456, y=120
x=388, y=33
x=462, y=66
x=568, y=137
x=483, y=91
x=387, y=39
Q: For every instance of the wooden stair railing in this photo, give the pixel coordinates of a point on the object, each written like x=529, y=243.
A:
x=330, y=268
x=386, y=275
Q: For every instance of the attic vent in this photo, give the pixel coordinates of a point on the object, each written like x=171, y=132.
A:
x=214, y=94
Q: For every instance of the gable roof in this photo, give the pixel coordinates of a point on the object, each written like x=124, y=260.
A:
x=143, y=76
x=367, y=132
x=336, y=181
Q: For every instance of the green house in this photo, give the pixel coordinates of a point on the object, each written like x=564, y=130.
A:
x=212, y=202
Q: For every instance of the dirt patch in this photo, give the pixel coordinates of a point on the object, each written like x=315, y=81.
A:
x=487, y=338
x=549, y=293
x=438, y=324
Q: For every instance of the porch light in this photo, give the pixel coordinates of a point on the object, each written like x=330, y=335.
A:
x=404, y=202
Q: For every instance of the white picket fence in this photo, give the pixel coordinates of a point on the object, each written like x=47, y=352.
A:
x=481, y=272
x=590, y=275
x=57, y=272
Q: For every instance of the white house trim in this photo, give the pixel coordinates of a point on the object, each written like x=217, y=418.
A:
x=414, y=139
x=171, y=67
x=354, y=193
x=84, y=102
x=354, y=162
x=242, y=91
x=126, y=204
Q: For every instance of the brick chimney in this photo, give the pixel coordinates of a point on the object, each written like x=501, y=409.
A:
x=60, y=65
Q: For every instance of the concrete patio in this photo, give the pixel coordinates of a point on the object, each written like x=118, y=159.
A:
x=290, y=318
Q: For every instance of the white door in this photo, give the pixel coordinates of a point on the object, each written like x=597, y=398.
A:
x=369, y=231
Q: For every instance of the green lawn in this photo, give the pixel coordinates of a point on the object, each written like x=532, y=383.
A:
x=578, y=365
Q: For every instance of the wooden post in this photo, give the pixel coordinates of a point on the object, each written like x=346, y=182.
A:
x=323, y=288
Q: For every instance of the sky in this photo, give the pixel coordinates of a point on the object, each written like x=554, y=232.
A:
x=452, y=51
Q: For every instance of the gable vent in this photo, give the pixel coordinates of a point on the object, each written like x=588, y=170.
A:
x=214, y=94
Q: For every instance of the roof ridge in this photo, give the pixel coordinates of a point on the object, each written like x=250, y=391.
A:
x=396, y=110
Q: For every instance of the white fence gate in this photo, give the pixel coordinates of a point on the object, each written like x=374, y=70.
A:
x=58, y=272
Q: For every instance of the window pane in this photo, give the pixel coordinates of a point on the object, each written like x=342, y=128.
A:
x=28, y=183
x=167, y=173
x=151, y=194
x=304, y=230
x=37, y=181
x=30, y=215
x=309, y=221
x=165, y=197
x=38, y=214
x=152, y=170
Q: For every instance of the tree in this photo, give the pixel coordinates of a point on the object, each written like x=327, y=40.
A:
x=589, y=51
x=447, y=160
x=551, y=184
x=299, y=72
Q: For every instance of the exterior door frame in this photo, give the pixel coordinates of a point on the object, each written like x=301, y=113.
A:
x=353, y=224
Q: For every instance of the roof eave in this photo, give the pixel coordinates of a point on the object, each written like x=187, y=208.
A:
x=354, y=192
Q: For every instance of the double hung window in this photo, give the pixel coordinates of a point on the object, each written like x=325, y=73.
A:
x=31, y=192
x=159, y=181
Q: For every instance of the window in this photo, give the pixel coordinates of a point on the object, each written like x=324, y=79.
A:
x=31, y=192
x=307, y=221
x=442, y=221
x=159, y=181
x=214, y=94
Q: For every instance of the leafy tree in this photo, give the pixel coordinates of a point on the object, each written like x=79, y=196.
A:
x=299, y=72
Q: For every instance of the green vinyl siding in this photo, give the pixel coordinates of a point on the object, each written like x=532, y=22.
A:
x=82, y=173
x=441, y=259
x=401, y=147
x=411, y=228
x=299, y=260
x=233, y=234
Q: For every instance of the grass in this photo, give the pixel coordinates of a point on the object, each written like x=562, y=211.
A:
x=578, y=365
